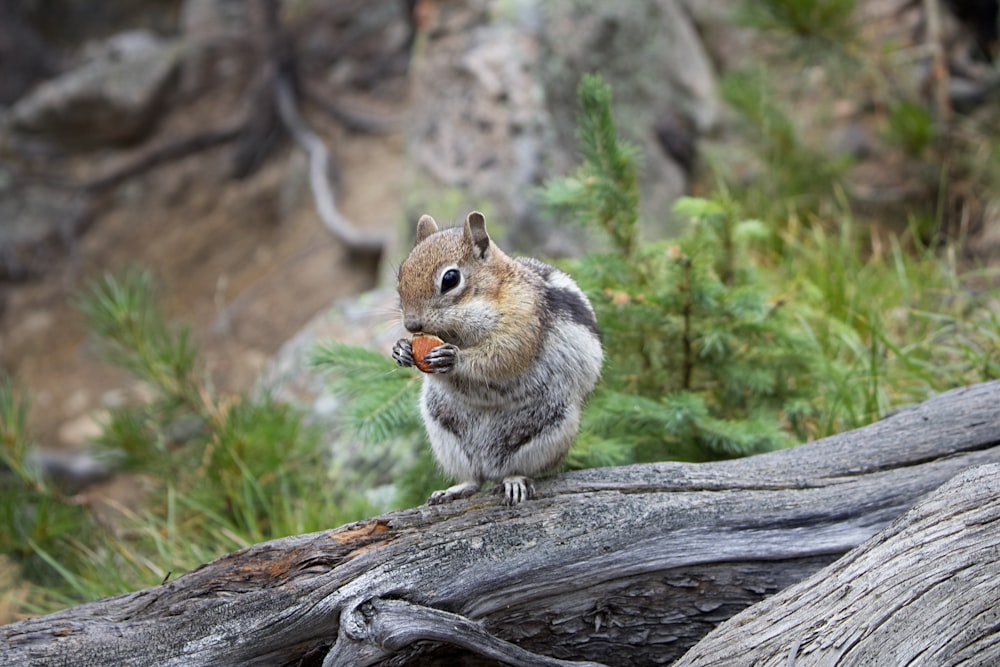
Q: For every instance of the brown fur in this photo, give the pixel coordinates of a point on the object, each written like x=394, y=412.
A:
x=496, y=281
x=502, y=396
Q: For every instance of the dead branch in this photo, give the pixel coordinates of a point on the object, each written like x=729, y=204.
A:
x=278, y=64
x=939, y=66
x=319, y=169
x=924, y=590
x=629, y=565
x=163, y=153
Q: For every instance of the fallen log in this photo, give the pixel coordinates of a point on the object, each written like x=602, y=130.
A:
x=629, y=565
x=922, y=591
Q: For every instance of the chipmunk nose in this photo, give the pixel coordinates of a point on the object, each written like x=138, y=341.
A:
x=413, y=323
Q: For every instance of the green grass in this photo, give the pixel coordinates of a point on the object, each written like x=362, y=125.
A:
x=218, y=473
x=906, y=325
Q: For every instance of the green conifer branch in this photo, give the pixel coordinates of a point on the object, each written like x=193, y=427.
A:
x=605, y=188
x=122, y=312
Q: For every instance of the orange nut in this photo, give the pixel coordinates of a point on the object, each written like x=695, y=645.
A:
x=422, y=345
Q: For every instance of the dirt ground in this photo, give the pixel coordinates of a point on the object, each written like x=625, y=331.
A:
x=244, y=264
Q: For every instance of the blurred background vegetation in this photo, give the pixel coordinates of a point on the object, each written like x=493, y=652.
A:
x=799, y=287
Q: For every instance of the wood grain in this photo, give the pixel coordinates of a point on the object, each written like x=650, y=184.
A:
x=629, y=565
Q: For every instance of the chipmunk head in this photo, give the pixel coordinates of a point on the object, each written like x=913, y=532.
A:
x=449, y=283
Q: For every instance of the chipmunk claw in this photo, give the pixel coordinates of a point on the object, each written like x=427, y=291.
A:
x=402, y=352
x=442, y=358
x=463, y=490
x=515, y=489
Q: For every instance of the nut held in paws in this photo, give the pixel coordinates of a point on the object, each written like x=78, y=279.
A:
x=422, y=345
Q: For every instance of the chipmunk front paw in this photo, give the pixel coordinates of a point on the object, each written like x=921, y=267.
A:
x=402, y=352
x=441, y=359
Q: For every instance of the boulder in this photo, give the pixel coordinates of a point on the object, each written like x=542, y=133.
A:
x=113, y=99
x=37, y=223
x=494, y=104
x=25, y=58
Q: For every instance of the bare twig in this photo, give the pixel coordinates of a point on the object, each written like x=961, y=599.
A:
x=278, y=64
x=163, y=153
x=939, y=67
x=353, y=119
x=378, y=628
x=319, y=164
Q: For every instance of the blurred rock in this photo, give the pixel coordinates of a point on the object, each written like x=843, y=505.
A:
x=494, y=112
x=207, y=20
x=480, y=128
x=727, y=40
x=210, y=28
x=985, y=241
x=663, y=82
x=73, y=22
x=370, y=319
x=78, y=432
x=70, y=471
x=37, y=224
x=980, y=18
x=114, y=98
x=24, y=58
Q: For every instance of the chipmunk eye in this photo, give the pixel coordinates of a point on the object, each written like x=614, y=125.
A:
x=450, y=280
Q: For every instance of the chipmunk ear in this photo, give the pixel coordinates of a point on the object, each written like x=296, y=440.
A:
x=425, y=227
x=475, y=233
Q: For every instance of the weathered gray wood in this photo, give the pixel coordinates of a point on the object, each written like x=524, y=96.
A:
x=376, y=629
x=629, y=565
x=925, y=590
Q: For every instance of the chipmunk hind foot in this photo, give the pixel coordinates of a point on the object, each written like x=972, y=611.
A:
x=515, y=489
x=463, y=490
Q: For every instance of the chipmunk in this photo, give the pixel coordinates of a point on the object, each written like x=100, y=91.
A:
x=502, y=397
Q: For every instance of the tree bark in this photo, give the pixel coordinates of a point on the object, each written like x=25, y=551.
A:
x=629, y=565
x=923, y=591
